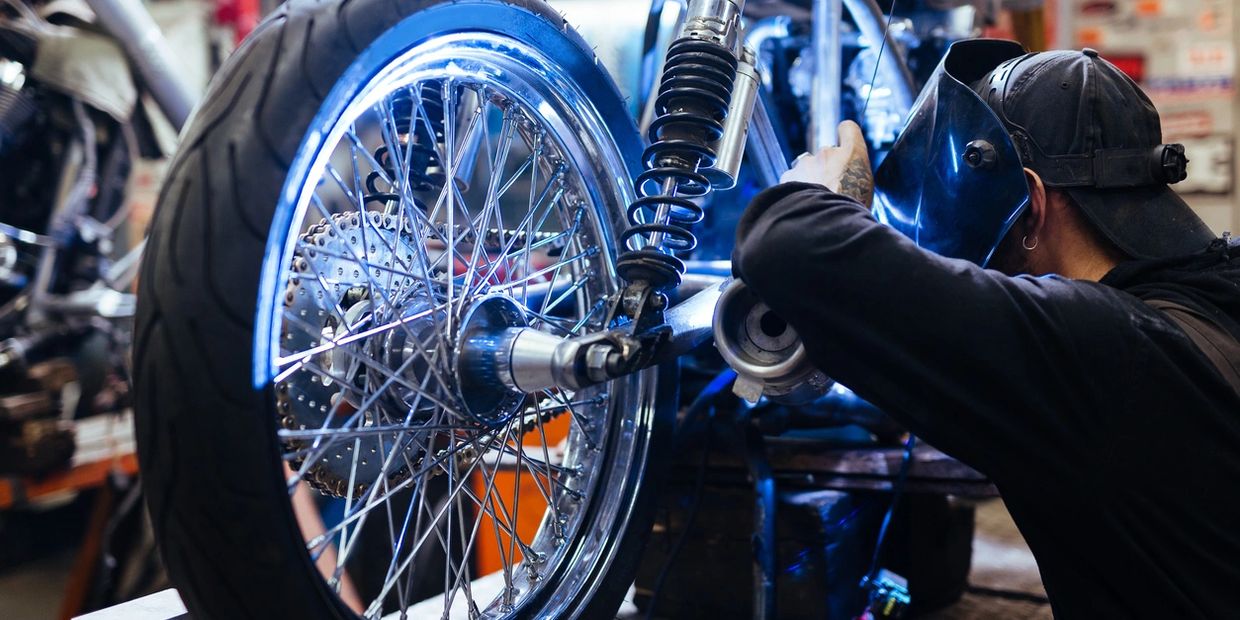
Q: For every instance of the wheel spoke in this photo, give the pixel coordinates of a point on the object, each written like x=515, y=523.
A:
x=585, y=320
x=505, y=257
x=434, y=519
x=299, y=360
x=551, y=503
x=489, y=482
x=490, y=203
x=512, y=284
x=548, y=307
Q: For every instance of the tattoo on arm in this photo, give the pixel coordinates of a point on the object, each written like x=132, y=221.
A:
x=857, y=182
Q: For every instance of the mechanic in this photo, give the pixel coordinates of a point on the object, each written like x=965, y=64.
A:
x=1092, y=372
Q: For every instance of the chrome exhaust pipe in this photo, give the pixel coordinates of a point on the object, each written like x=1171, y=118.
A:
x=764, y=350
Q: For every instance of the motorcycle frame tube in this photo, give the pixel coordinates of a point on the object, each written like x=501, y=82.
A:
x=136, y=31
x=766, y=150
x=827, y=46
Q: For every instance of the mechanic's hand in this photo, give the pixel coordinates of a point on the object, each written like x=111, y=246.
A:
x=843, y=169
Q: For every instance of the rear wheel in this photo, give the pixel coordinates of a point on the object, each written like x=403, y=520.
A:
x=365, y=191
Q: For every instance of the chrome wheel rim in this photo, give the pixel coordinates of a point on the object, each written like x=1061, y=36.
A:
x=370, y=297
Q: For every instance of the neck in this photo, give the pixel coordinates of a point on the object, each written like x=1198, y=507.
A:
x=1085, y=255
x=1083, y=252
x=1092, y=268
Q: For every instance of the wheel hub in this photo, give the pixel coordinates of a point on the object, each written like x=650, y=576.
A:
x=480, y=343
x=407, y=348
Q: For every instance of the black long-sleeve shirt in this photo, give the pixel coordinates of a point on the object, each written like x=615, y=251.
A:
x=1114, y=442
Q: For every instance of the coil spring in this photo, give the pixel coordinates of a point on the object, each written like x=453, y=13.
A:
x=424, y=171
x=691, y=104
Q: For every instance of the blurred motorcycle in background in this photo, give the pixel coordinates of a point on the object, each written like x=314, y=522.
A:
x=89, y=100
x=73, y=124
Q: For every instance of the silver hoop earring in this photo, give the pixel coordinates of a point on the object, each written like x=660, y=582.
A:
x=1024, y=243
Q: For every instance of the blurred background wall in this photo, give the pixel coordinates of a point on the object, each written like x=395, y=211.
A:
x=1183, y=53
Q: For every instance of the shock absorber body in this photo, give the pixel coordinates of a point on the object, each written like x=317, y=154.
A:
x=692, y=105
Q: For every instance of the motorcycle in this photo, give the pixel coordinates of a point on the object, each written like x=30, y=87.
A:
x=417, y=259
x=73, y=127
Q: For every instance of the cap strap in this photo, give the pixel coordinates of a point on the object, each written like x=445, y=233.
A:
x=1111, y=168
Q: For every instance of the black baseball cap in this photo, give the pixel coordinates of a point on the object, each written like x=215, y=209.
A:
x=1086, y=128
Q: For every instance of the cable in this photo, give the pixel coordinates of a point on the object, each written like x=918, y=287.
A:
x=698, y=407
x=878, y=61
x=897, y=490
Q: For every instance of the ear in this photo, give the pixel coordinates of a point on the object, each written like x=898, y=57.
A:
x=1035, y=217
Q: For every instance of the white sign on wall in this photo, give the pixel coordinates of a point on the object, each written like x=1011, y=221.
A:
x=1183, y=54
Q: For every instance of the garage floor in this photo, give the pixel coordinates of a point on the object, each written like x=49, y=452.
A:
x=33, y=591
x=1002, y=563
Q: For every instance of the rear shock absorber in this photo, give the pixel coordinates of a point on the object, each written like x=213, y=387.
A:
x=692, y=103
x=419, y=138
